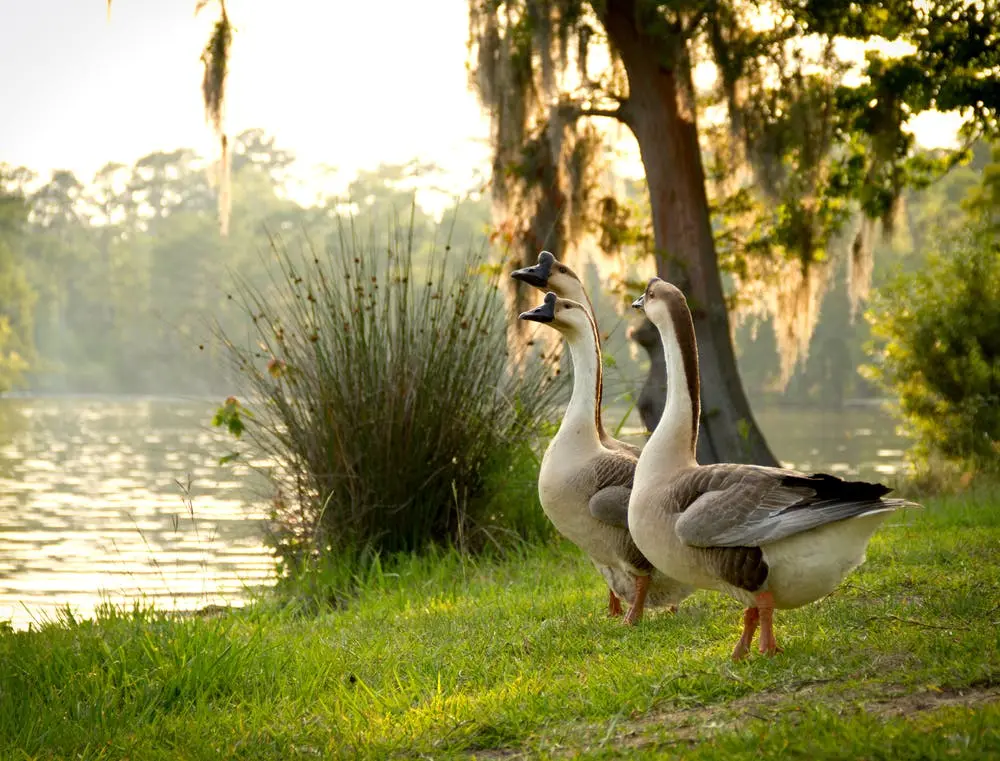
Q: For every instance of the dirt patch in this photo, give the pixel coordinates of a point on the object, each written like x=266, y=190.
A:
x=687, y=726
x=694, y=724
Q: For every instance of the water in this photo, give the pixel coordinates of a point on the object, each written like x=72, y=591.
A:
x=91, y=508
x=855, y=442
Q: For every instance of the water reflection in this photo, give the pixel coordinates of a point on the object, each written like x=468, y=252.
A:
x=854, y=442
x=121, y=500
x=91, y=507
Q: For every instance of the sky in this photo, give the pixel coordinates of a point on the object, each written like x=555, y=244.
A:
x=341, y=84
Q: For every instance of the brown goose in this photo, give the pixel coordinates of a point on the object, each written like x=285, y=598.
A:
x=549, y=274
x=584, y=485
x=770, y=538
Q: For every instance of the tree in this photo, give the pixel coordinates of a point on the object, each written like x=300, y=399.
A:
x=807, y=137
x=939, y=352
x=16, y=297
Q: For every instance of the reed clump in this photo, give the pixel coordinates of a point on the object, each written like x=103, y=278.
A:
x=378, y=382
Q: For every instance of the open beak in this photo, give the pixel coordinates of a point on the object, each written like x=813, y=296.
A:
x=537, y=275
x=544, y=312
x=640, y=302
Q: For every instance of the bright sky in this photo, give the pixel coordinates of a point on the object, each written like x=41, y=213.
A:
x=343, y=84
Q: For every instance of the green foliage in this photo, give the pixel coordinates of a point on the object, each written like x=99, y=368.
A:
x=450, y=656
x=379, y=384
x=17, y=298
x=230, y=417
x=939, y=329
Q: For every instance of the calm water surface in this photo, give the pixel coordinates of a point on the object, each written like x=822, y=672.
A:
x=93, y=507
x=94, y=499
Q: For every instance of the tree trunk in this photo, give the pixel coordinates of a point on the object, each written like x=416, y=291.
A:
x=661, y=113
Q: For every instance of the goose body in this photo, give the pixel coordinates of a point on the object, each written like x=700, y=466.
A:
x=769, y=537
x=584, y=485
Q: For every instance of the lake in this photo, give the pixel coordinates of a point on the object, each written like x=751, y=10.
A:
x=123, y=499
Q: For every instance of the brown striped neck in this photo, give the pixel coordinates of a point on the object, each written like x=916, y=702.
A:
x=673, y=442
x=566, y=285
x=599, y=382
x=687, y=343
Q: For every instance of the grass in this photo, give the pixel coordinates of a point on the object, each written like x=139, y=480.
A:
x=448, y=657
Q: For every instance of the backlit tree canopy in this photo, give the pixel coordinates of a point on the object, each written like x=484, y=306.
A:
x=764, y=128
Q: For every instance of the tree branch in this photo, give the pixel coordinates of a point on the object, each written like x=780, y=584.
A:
x=612, y=113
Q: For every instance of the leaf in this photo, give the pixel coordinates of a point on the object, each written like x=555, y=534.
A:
x=228, y=458
x=230, y=416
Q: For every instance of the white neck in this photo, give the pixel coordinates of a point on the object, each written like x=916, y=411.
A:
x=671, y=446
x=579, y=423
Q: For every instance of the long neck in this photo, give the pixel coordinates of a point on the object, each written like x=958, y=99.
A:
x=582, y=420
x=580, y=294
x=676, y=435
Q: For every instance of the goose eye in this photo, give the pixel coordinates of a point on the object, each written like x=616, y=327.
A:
x=562, y=269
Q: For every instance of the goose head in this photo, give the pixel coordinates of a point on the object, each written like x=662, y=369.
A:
x=664, y=305
x=552, y=275
x=567, y=316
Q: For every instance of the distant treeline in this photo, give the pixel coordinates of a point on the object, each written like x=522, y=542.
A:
x=112, y=286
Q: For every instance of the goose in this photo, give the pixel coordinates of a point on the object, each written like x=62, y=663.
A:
x=654, y=390
x=549, y=274
x=584, y=485
x=771, y=538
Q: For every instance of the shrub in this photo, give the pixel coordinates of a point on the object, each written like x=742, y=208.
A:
x=939, y=351
x=379, y=384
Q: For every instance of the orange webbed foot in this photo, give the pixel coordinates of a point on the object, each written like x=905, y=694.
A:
x=614, y=605
x=635, y=612
x=751, y=616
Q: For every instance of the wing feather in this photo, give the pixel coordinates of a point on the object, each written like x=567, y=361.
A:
x=746, y=506
x=613, y=474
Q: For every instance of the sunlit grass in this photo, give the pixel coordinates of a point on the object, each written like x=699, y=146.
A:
x=451, y=656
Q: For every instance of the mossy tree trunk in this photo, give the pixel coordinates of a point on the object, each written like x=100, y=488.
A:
x=660, y=111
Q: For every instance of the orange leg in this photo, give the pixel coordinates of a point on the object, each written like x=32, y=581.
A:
x=765, y=604
x=614, y=604
x=635, y=612
x=750, y=618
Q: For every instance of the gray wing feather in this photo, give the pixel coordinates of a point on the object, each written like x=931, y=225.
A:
x=739, y=516
x=614, y=474
x=610, y=505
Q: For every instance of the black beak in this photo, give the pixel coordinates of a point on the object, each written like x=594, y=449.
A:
x=544, y=312
x=538, y=275
x=639, y=302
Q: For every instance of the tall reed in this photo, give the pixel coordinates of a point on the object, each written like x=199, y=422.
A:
x=378, y=380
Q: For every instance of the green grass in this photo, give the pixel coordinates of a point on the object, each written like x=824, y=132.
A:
x=442, y=657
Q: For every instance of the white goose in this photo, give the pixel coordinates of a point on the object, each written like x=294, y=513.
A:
x=770, y=538
x=584, y=485
x=549, y=274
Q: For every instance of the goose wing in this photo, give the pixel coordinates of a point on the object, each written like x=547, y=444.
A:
x=614, y=473
x=747, y=506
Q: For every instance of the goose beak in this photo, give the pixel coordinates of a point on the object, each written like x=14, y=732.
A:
x=640, y=302
x=544, y=312
x=537, y=275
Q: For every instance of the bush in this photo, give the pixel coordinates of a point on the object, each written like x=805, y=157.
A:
x=939, y=351
x=380, y=385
